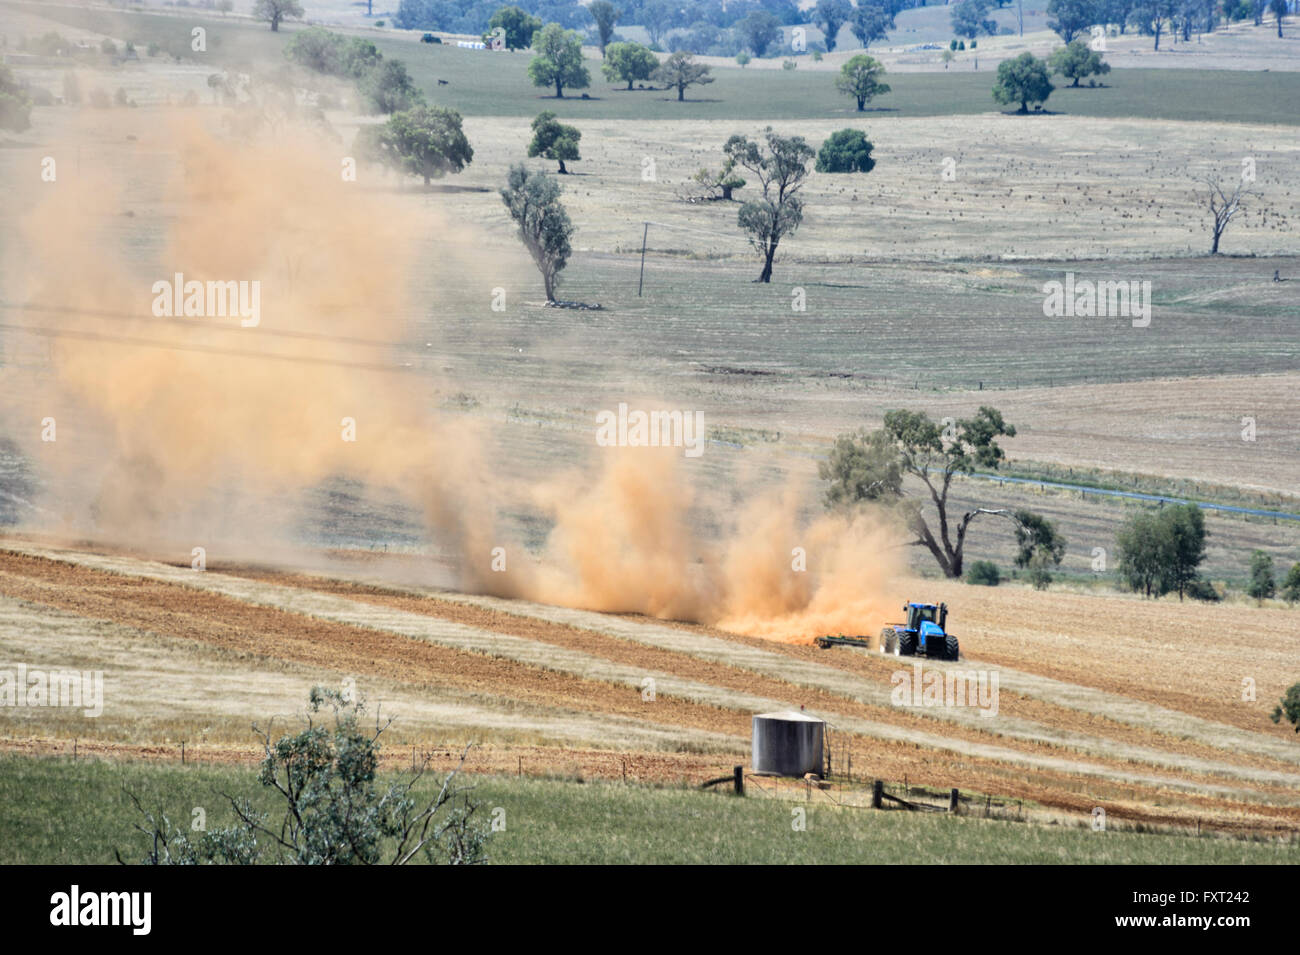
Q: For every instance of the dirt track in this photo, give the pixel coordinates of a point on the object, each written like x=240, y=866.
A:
x=1246, y=791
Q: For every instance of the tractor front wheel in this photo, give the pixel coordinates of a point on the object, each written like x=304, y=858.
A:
x=951, y=648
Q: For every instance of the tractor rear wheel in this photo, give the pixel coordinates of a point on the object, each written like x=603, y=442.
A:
x=950, y=645
x=888, y=640
x=907, y=644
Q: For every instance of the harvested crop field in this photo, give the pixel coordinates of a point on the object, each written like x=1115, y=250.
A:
x=1103, y=721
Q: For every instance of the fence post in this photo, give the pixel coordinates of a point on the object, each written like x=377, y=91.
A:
x=954, y=800
x=740, y=780
x=877, y=794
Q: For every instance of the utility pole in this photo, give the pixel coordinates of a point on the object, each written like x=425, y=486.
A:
x=641, y=281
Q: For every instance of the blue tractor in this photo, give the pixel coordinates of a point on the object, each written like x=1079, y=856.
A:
x=924, y=634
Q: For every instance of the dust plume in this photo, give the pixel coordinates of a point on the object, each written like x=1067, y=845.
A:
x=195, y=427
x=632, y=542
x=200, y=429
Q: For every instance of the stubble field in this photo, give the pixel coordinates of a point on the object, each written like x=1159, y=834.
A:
x=918, y=290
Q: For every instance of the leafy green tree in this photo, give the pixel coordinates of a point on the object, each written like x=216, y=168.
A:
x=1278, y=9
x=847, y=150
x=384, y=86
x=742, y=59
x=1291, y=585
x=1023, y=80
x=274, y=11
x=1289, y=707
x=680, y=71
x=1075, y=61
x=860, y=77
x=759, y=29
x=554, y=140
x=427, y=141
x=984, y=573
x=970, y=18
x=1183, y=527
x=862, y=466
x=388, y=88
x=1151, y=16
x=871, y=22
x=1262, y=583
x=606, y=15
x=533, y=199
x=780, y=164
x=333, y=811
x=658, y=17
x=15, y=104
x=1160, y=551
x=317, y=49
x=1070, y=18
x=871, y=466
x=517, y=25
x=1141, y=558
x=628, y=62
x=829, y=16
x=559, y=60
x=1040, y=547
x=359, y=56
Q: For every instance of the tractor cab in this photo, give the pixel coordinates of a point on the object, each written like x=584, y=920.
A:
x=925, y=633
x=917, y=614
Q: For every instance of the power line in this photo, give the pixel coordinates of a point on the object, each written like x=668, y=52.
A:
x=189, y=322
x=204, y=349
x=682, y=228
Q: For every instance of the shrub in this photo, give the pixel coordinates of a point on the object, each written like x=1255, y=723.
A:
x=1201, y=589
x=1288, y=708
x=1291, y=586
x=984, y=573
x=332, y=808
x=847, y=150
x=1262, y=583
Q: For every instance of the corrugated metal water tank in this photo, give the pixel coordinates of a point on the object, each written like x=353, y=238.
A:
x=788, y=744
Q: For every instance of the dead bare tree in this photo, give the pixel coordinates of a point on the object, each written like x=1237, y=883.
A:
x=1224, y=206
